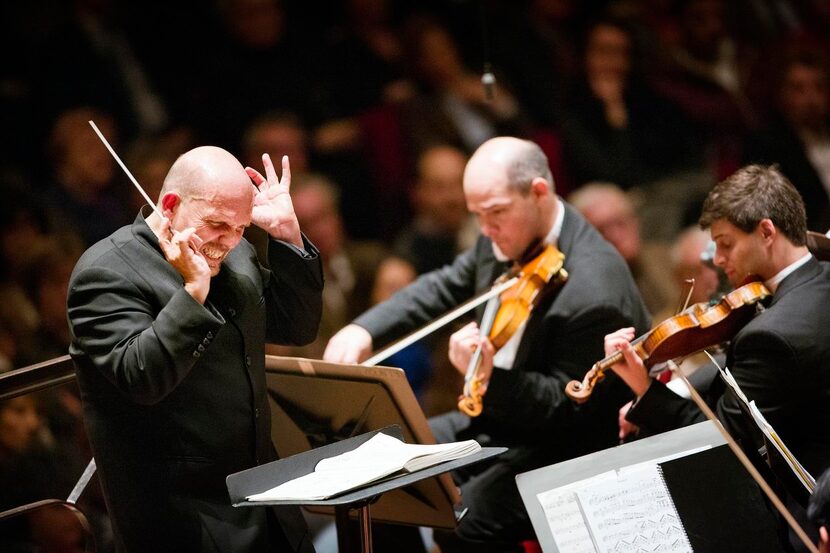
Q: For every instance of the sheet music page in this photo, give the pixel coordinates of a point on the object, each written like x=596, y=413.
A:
x=564, y=517
x=633, y=513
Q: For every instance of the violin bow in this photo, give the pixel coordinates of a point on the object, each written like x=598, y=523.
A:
x=739, y=453
x=438, y=323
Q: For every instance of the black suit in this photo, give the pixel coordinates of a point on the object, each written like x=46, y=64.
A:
x=526, y=408
x=781, y=360
x=174, y=392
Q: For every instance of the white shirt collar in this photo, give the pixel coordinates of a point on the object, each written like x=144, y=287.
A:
x=772, y=284
x=550, y=238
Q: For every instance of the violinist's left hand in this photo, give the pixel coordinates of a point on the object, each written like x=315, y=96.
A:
x=273, y=210
x=463, y=344
x=632, y=369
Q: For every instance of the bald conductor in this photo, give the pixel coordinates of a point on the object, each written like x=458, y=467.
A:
x=169, y=318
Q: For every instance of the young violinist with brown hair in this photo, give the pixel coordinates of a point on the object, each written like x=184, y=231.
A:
x=781, y=358
x=508, y=186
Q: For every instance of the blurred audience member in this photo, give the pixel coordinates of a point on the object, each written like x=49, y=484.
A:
x=256, y=54
x=616, y=128
x=537, y=49
x=33, y=468
x=687, y=263
x=707, y=76
x=83, y=196
x=349, y=267
x=47, y=282
x=88, y=59
x=451, y=107
x=393, y=274
x=277, y=134
x=149, y=159
x=442, y=226
x=612, y=213
x=798, y=137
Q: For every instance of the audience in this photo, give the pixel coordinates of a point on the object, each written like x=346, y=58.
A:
x=441, y=227
x=612, y=213
x=385, y=99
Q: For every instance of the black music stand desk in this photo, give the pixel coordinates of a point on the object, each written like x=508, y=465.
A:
x=264, y=477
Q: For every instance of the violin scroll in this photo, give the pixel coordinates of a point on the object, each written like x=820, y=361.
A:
x=696, y=328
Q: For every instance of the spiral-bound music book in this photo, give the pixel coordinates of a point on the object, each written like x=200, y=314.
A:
x=677, y=492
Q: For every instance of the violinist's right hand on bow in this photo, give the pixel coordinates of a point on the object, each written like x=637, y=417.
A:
x=463, y=344
x=352, y=344
x=632, y=371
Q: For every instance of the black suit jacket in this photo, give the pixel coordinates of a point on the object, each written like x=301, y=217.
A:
x=174, y=392
x=781, y=360
x=526, y=407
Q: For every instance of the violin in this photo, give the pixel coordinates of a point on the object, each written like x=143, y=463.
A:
x=698, y=327
x=506, y=313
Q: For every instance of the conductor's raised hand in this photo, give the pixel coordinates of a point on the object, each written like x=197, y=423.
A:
x=273, y=210
x=632, y=369
x=181, y=249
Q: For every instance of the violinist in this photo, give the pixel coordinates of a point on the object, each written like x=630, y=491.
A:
x=781, y=358
x=509, y=187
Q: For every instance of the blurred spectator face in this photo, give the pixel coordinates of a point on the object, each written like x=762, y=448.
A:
x=438, y=58
x=277, y=138
x=393, y=274
x=687, y=264
x=257, y=24
x=703, y=28
x=803, y=96
x=316, y=209
x=612, y=214
x=82, y=164
x=608, y=53
x=439, y=193
x=19, y=423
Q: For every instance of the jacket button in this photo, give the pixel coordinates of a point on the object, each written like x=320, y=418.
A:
x=206, y=341
x=200, y=348
x=256, y=413
x=210, y=334
x=248, y=360
x=196, y=354
x=232, y=312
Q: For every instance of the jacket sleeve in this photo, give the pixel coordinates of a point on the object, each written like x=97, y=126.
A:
x=145, y=352
x=293, y=292
x=660, y=410
x=535, y=399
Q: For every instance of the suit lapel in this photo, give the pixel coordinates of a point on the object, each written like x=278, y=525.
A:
x=805, y=273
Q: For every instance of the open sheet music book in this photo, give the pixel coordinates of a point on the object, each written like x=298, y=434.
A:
x=770, y=434
x=377, y=458
x=623, y=510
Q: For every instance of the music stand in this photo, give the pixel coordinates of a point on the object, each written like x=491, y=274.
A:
x=316, y=403
x=264, y=477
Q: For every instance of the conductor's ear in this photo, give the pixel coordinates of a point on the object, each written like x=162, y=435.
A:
x=169, y=203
